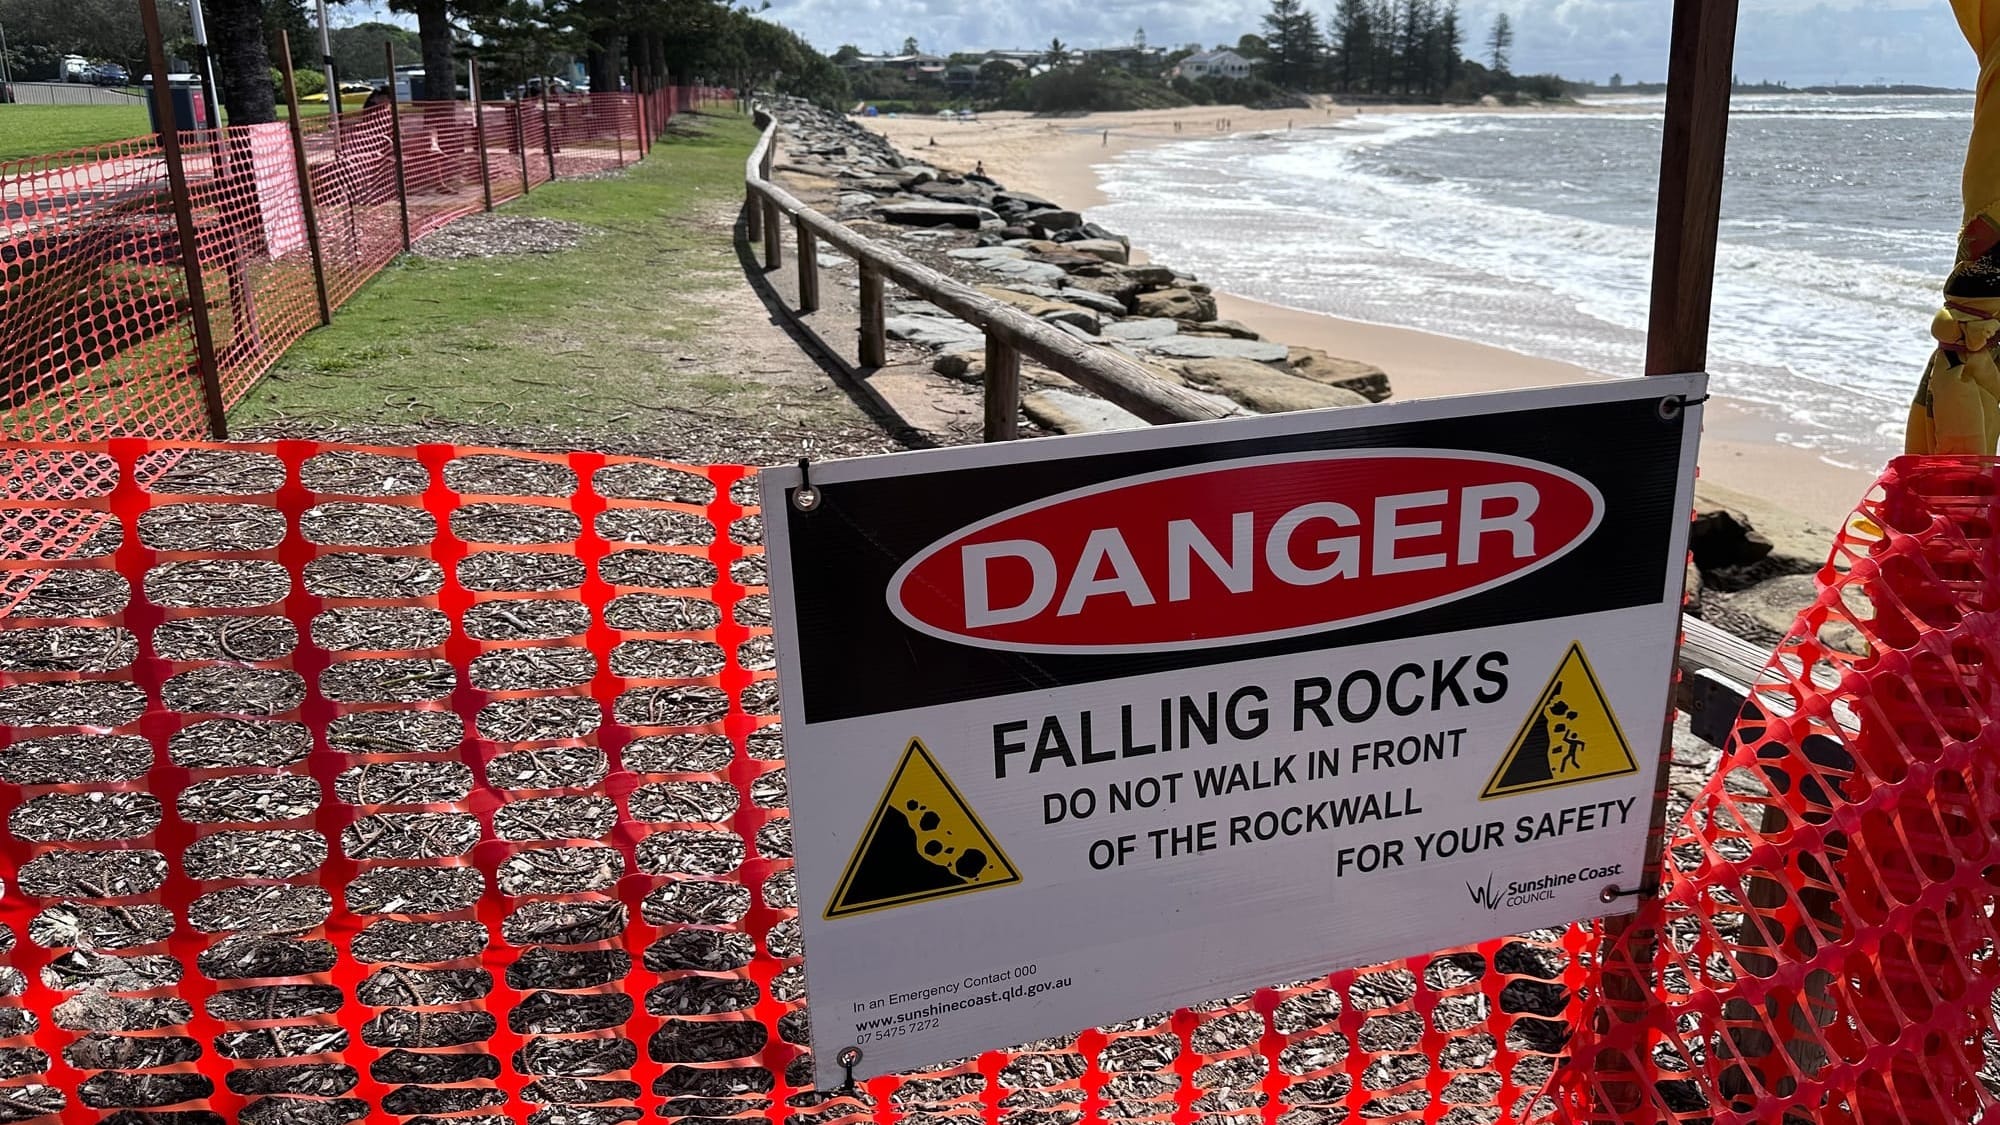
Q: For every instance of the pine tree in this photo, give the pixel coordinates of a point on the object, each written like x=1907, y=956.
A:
x=1291, y=36
x=1352, y=32
x=1500, y=42
x=1451, y=41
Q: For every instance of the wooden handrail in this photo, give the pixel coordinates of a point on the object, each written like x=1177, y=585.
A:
x=1122, y=381
x=1718, y=670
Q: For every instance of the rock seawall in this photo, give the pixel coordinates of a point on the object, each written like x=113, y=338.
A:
x=1053, y=264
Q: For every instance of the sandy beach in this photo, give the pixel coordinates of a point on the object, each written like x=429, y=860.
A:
x=1059, y=158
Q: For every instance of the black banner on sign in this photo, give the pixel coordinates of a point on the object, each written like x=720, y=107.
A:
x=859, y=658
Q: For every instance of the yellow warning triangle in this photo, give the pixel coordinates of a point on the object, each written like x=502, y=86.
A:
x=923, y=842
x=1570, y=736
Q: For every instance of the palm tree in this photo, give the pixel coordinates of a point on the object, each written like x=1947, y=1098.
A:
x=1058, y=53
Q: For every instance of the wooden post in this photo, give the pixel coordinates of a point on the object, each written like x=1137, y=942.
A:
x=479, y=130
x=874, y=334
x=639, y=122
x=808, y=268
x=774, y=248
x=305, y=176
x=548, y=131
x=753, y=214
x=1699, y=72
x=396, y=145
x=1003, y=388
x=1691, y=154
x=190, y=243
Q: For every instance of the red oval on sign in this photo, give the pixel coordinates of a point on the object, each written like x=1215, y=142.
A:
x=1245, y=550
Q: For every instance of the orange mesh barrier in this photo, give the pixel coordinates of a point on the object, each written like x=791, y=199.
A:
x=96, y=330
x=447, y=784
x=1824, y=946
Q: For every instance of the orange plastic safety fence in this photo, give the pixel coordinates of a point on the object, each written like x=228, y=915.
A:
x=96, y=326
x=93, y=332
x=356, y=783
x=1824, y=948
x=353, y=169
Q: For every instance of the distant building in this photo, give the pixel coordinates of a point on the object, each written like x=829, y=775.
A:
x=1136, y=58
x=1214, y=64
x=911, y=65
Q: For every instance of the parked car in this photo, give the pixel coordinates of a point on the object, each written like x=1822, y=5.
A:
x=75, y=68
x=351, y=93
x=110, y=74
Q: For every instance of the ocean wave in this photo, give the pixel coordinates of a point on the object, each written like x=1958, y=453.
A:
x=1828, y=333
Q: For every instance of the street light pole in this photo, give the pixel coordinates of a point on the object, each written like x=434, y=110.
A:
x=326, y=66
x=205, y=64
x=6, y=76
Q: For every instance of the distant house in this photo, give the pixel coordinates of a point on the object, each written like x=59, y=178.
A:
x=912, y=66
x=1213, y=64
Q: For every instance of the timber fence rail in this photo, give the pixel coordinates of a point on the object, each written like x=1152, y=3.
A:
x=114, y=322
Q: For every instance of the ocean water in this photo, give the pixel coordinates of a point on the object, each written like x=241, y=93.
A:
x=1534, y=231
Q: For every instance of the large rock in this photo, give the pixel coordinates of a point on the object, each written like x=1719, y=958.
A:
x=1234, y=328
x=934, y=213
x=1020, y=203
x=1150, y=329
x=1150, y=275
x=1207, y=347
x=987, y=253
x=934, y=332
x=1103, y=249
x=1364, y=379
x=951, y=193
x=1797, y=543
x=1053, y=219
x=1723, y=538
x=1093, y=300
x=1066, y=412
x=1264, y=389
x=1042, y=308
x=1178, y=304
x=1114, y=286
x=1038, y=273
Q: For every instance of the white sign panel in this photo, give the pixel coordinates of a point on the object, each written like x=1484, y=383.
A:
x=1086, y=728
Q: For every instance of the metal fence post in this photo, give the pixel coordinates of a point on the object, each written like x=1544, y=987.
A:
x=190, y=244
x=396, y=144
x=548, y=132
x=1003, y=388
x=808, y=265
x=479, y=131
x=305, y=177
x=874, y=344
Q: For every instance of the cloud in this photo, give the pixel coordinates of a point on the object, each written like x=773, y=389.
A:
x=1803, y=41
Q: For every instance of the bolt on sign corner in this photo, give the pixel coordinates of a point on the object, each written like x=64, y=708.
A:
x=1084, y=728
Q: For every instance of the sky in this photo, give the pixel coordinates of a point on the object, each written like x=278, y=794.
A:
x=1804, y=42
x=1800, y=41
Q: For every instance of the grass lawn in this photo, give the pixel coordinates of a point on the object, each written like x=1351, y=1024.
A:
x=32, y=130
x=601, y=336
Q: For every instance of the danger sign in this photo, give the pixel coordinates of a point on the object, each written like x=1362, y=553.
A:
x=1087, y=728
